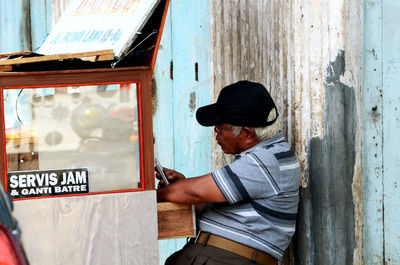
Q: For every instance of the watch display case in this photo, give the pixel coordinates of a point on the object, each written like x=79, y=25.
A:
x=76, y=132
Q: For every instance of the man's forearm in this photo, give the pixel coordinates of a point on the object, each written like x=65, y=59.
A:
x=191, y=191
x=178, y=192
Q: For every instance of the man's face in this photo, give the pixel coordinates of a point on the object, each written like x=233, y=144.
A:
x=229, y=143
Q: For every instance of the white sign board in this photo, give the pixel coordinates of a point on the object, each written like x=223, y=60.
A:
x=92, y=25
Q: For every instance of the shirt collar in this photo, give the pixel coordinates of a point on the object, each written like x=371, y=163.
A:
x=276, y=138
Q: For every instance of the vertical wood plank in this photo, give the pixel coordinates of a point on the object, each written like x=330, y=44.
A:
x=163, y=120
x=3, y=161
x=41, y=17
x=15, y=33
x=391, y=129
x=162, y=96
x=148, y=154
x=181, y=143
x=190, y=44
x=372, y=157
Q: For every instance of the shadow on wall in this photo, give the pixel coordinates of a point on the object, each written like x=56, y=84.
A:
x=325, y=232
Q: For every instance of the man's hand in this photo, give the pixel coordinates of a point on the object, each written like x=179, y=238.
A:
x=172, y=176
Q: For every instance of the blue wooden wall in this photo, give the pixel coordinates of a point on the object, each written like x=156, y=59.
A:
x=391, y=129
x=381, y=130
x=14, y=27
x=23, y=24
x=40, y=17
x=181, y=143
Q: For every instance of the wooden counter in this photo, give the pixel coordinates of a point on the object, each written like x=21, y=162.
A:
x=175, y=220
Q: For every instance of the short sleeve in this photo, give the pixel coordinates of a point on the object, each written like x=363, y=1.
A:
x=250, y=177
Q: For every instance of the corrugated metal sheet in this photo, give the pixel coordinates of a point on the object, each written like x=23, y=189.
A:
x=307, y=53
x=270, y=42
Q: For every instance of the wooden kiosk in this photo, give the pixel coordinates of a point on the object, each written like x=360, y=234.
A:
x=77, y=133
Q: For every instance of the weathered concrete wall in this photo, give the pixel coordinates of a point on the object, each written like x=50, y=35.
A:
x=307, y=53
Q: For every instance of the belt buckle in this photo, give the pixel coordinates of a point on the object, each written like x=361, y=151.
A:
x=197, y=236
x=205, y=240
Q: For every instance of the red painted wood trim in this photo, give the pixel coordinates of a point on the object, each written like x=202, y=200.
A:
x=139, y=75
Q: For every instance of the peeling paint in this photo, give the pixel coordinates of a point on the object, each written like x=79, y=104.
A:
x=376, y=116
x=331, y=169
x=192, y=101
x=374, y=54
x=153, y=96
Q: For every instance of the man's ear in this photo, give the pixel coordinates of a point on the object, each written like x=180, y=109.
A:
x=249, y=134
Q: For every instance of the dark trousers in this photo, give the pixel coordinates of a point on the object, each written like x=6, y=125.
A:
x=197, y=254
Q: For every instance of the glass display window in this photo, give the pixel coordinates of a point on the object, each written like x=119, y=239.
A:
x=76, y=137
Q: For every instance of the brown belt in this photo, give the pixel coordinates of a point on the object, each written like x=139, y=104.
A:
x=252, y=254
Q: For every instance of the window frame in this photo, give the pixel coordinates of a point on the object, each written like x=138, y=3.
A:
x=139, y=75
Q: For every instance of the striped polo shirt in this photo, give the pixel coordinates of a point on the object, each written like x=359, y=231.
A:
x=262, y=191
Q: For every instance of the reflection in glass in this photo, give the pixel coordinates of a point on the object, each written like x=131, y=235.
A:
x=73, y=127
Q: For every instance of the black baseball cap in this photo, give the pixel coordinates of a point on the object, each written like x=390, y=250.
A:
x=243, y=103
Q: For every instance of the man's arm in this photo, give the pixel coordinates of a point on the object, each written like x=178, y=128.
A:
x=191, y=191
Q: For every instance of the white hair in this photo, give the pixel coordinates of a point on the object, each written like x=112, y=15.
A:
x=262, y=133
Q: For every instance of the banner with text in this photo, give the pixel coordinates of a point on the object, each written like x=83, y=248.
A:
x=92, y=25
x=39, y=183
